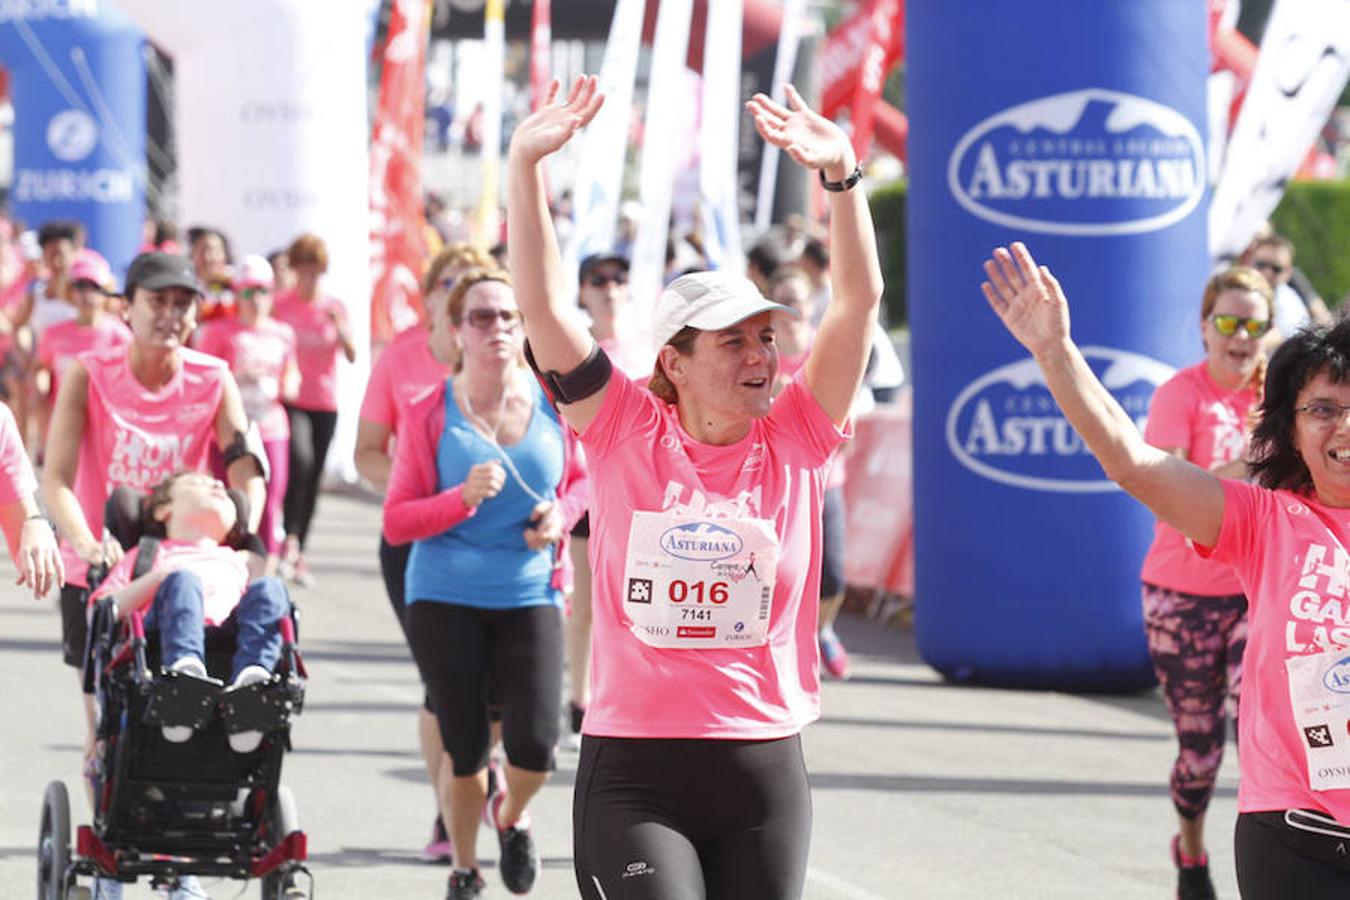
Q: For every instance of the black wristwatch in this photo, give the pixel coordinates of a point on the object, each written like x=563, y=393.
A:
x=838, y=187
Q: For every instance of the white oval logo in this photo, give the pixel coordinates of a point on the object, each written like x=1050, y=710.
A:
x=1338, y=676
x=1006, y=427
x=1089, y=162
x=701, y=541
x=72, y=135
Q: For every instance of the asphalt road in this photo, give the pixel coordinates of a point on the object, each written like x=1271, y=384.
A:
x=921, y=789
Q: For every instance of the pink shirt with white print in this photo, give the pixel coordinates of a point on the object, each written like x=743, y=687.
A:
x=777, y=473
x=404, y=371
x=1289, y=552
x=1209, y=422
x=259, y=356
x=317, y=347
x=61, y=344
x=136, y=437
x=223, y=573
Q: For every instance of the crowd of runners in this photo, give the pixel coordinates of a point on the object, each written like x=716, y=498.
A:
x=709, y=554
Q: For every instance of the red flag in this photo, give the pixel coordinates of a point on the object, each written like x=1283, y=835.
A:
x=541, y=43
x=840, y=55
x=397, y=248
x=884, y=44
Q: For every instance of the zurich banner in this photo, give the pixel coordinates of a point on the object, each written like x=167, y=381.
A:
x=78, y=85
x=1076, y=128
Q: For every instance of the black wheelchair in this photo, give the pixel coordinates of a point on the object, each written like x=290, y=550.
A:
x=164, y=810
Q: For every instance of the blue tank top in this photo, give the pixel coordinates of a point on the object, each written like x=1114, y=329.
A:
x=484, y=561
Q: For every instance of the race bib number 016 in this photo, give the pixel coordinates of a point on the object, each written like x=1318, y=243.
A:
x=699, y=584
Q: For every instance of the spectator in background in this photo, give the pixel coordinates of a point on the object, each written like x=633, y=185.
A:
x=209, y=250
x=49, y=301
x=761, y=263
x=321, y=333
x=159, y=234
x=1273, y=256
x=283, y=277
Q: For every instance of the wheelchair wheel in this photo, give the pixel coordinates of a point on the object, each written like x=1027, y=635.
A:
x=281, y=883
x=53, y=850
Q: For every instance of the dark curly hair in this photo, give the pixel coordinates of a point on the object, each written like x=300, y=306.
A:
x=1310, y=352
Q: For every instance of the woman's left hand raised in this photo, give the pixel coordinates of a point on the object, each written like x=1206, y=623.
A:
x=547, y=526
x=808, y=137
x=552, y=125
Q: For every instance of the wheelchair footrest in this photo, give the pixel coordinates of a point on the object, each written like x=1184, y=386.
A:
x=265, y=706
x=176, y=699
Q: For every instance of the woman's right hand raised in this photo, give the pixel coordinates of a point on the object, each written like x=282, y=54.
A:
x=546, y=129
x=1027, y=298
x=485, y=480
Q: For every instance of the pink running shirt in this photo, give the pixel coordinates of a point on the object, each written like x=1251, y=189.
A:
x=776, y=472
x=1191, y=411
x=1271, y=538
x=16, y=472
x=223, y=573
x=316, y=347
x=138, y=437
x=404, y=370
x=60, y=344
x=259, y=358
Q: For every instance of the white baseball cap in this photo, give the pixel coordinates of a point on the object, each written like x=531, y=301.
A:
x=709, y=301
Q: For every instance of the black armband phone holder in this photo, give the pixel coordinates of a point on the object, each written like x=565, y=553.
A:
x=587, y=379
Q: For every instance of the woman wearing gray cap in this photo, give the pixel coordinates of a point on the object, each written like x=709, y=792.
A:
x=706, y=538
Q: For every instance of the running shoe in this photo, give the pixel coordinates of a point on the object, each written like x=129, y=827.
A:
x=301, y=576
x=195, y=668
x=464, y=884
x=834, y=656
x=518, y=859
x=438, y=849
x=1193, y=882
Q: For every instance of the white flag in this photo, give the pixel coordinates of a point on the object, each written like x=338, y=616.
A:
x=718, y=144
x=604, y=143
x=662, y=140
x=494, y=51
x=1300, y=71
x=789, y=36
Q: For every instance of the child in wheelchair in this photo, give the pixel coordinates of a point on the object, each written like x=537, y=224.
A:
x=186, y=774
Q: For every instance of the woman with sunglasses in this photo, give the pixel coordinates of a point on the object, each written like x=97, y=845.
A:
x=260, y=351
x=405, y=369
x=1285, y=536
x=708, y=493
x=321, y=334
x=1195, y=614
x=482, y=484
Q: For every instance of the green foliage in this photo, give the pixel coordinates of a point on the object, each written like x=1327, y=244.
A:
x=888, y=212
x=1315, y=215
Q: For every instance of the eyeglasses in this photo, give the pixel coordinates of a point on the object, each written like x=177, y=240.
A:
x=252, y=292
x=1268, y=266
x=483, y=318
x=1228, y=325
x=1324, y=412
x=599, y=280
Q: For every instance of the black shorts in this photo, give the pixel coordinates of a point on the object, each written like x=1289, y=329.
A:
x=74, y=624
x=674, y=818
x=393, y=568
x=583, y=527
x=1276, y=860
x=832, y=544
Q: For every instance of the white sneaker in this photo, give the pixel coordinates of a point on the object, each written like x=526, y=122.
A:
x=248, y=741
x=194, y=668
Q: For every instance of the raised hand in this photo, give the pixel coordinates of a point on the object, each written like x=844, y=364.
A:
x=1027, y=298
x=808, y=137
x=546, y=129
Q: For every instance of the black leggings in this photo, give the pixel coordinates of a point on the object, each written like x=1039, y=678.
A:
x=668, y=819
x=832, y=543
x=460, y=650
x=393, y=569
x=311, y=433
x=1276, y=861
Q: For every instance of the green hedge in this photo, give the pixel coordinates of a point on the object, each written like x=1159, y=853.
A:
x=1315, y=215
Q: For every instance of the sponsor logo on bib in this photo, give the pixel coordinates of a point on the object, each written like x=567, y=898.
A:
x=1087, y=162
x=701, y=542
x=1005, y=426
x=1338, y=676
x=1318, y=736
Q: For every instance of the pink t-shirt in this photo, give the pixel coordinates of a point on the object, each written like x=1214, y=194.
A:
x=138, y=437
x=223, y=573
x=16, y=472
x=259, y=357
x=60, y=344
x=316, y=347
x=404, y=370
x=1194, y=413
x=1271, y=539
x=627, y=358
x=777, y=473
